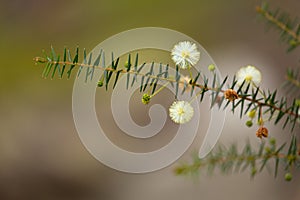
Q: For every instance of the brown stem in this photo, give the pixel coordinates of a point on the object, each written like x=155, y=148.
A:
x=279, y=24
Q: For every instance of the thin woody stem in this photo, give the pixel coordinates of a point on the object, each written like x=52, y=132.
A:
x=279, y=24
x=293, y=81
x=160, y=89
x=225, y=158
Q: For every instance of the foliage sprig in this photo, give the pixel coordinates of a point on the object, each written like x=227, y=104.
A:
x=292, y=83
x=277, y=19
x=230, y=160
x=246, y=96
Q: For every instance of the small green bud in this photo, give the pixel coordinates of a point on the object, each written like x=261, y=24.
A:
x=126, y=65
x=293, y=42
x=268, y=149
x=253, y=171
x=249, y=123
x=146, y=98
x=100, y=84
x=291, y=158
x=297, y=102
x=272, y=141
x=211, y=67
x=251, y=114
x=288, y=176
x=179, y=171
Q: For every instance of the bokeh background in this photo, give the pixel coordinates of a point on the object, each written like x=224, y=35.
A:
x=41, y=156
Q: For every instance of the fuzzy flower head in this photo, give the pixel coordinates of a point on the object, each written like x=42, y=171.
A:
x=250, y=73
x=185, y=54
x=181, y=112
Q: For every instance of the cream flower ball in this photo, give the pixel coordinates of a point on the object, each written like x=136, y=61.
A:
x=181, y=112
x=249, y=73
x=185, y=54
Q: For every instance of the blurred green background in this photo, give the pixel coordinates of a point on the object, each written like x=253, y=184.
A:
x=41, y=156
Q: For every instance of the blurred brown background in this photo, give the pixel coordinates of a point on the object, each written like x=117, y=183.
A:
x=41, y=156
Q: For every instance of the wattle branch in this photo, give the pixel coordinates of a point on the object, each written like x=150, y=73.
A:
x=229, y=160
x=234, y=94
x=290, y=29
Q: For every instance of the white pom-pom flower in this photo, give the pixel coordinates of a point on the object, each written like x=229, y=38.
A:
x=185, y=54
x=181, y=112
x=250, y=73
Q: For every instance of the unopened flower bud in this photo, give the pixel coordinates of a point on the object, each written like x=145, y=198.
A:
x=211, y=67
x=293, y=42
x=126, y=65
x=272, y=141
x=253, y=171
x=100, y=83
x=249, y=123
x=297, y=102
x=288, y=176
x=251, y=114
x=268, y=149
x=146, y=98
